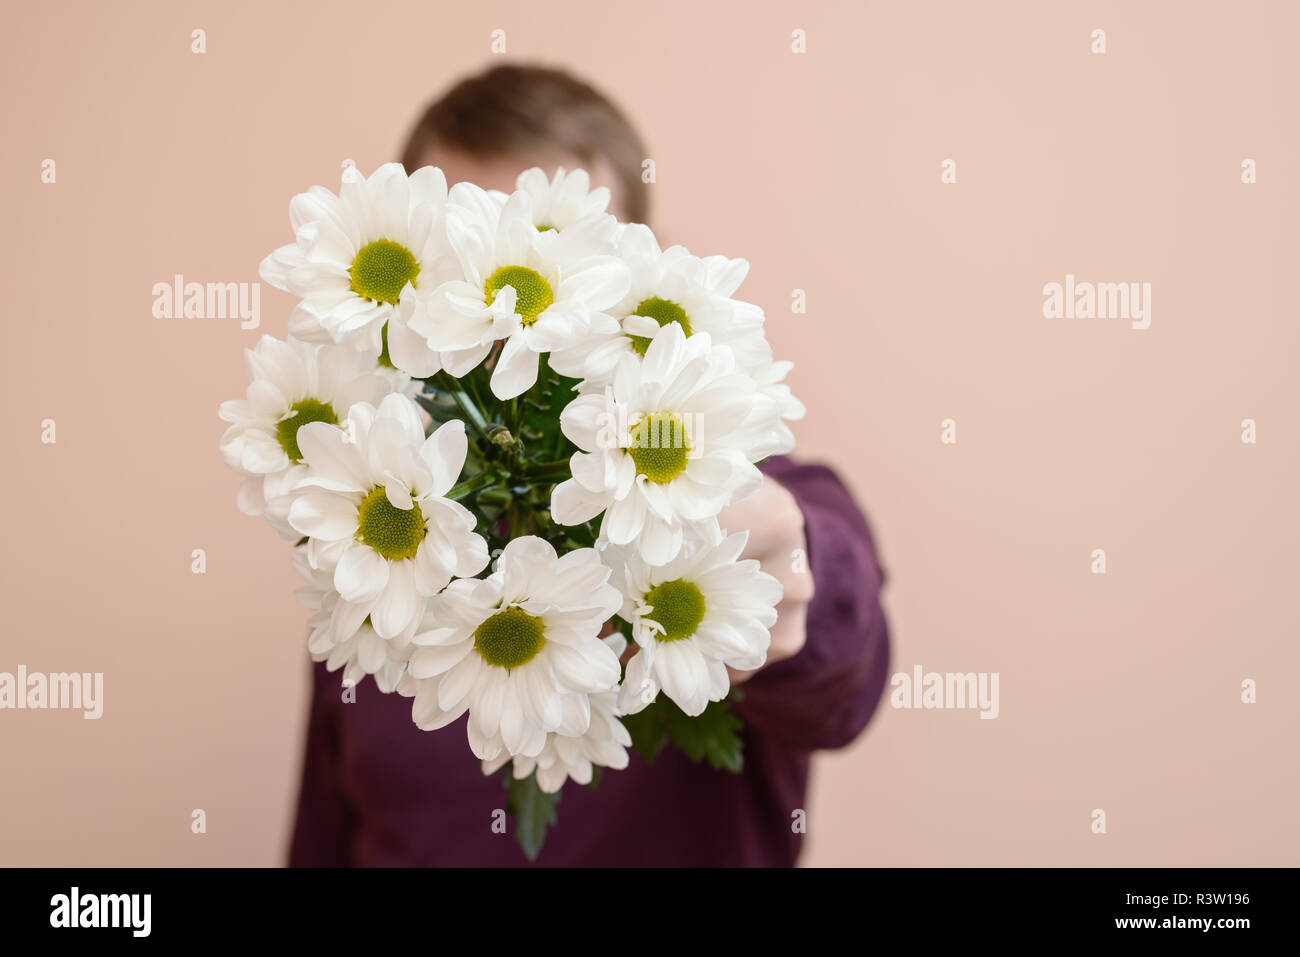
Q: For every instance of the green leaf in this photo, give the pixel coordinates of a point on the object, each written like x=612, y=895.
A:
x=712, y=735
x=541, y=414
x=648, y=729
x=533, y=810
x=439, y=405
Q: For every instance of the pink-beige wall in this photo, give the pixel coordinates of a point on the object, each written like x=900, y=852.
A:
x=1119, y=692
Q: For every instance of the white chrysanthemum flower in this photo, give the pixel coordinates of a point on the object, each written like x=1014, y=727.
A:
x=604, y=745
x=398, y=381
x=662, y=447
x=372, y=505
x=774, y=403
x=289, y=385
x=539, y=290
x=518, y=650
x=702, y=612
x=670, y=286
x=563, y=200
x=341, y=634
x=359, y=255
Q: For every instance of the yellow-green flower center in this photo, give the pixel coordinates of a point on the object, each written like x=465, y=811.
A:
x=659, y=447
x=678, y=607
x=662, y=311
x=304, y=411
x=381, y=271
x=532, y=292
x=510, y=638
x=393, y=532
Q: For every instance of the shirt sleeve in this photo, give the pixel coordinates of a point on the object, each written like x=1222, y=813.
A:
x=824, y=696
x=323, y=822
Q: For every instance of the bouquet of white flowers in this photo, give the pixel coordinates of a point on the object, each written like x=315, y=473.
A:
x=591, y=403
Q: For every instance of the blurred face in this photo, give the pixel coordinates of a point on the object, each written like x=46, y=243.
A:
x=500, y=172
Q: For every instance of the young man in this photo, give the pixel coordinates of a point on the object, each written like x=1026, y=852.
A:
x=378, y=791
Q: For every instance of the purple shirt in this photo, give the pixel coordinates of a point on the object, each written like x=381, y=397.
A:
x=378, y=791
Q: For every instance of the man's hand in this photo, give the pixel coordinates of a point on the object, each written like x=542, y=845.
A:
x=776, y=539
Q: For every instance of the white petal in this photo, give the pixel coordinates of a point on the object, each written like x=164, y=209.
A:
x=444, y=454
x=659, y=543
x=361, y=574
x=571, y=504
x=400, y=604
x=331, y=457
x=458, y=680
x=323, y=515
x=433, y=660
x=526, y=565
x=516, y=369
x=409, y=351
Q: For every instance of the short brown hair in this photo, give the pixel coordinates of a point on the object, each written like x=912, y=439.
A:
x=515, y=108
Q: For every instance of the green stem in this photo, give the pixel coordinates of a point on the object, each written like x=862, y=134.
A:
x=471, y=383
x=470, y=411
x=480, y=481
x=557, y=476
x=536, y=468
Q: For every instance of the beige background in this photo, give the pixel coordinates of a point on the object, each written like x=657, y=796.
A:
x=924, y=302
